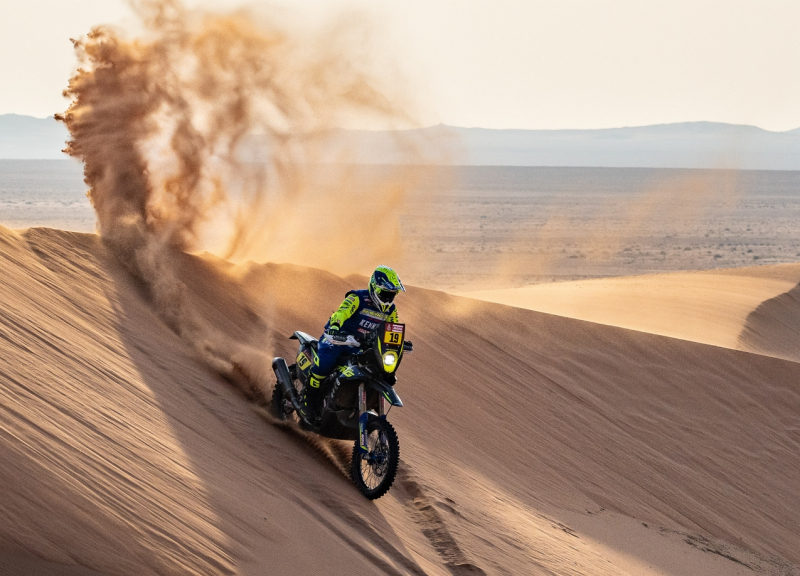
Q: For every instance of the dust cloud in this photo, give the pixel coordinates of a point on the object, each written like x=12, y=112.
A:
x=213, y=131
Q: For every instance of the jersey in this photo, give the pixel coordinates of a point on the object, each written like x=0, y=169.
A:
x=358, y=315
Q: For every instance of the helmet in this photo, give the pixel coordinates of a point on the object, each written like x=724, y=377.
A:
x=384, y=286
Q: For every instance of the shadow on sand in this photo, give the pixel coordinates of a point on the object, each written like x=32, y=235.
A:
x=773, y=328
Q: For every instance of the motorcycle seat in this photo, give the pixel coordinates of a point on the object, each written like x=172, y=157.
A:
x=304, y=338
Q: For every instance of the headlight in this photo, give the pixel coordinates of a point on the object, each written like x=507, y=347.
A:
x=389, y=359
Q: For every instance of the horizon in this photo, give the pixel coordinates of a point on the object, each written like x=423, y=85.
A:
x=427, y=126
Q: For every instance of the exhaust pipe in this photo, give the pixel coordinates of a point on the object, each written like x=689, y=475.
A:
x=285, y=381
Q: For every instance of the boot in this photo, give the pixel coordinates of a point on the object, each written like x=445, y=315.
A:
x=309, y=402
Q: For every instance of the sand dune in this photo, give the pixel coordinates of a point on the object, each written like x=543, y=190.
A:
x=712, y=307
x=532, y=444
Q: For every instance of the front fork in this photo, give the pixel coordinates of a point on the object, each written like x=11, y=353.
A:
x=363, y=416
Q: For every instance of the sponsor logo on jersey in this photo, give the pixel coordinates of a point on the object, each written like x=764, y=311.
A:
x=368, y=325
x=374, y=314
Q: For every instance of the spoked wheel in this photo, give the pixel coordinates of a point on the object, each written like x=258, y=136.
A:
x=373, y=472
x=281, y=408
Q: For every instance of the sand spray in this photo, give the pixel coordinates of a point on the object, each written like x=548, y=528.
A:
x=212, y=131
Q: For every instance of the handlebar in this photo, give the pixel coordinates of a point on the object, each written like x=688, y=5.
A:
x=341, y=340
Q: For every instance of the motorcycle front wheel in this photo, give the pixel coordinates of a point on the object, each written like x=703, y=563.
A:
x=373, y=471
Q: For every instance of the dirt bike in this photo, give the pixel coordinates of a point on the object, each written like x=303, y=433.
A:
x=356, y=398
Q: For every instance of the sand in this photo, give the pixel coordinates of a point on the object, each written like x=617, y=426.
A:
x=712, y=307
x=531, y=443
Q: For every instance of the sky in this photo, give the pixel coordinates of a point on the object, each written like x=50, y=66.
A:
x=535, y=64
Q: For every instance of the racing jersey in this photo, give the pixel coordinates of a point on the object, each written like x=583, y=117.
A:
x=358, y=315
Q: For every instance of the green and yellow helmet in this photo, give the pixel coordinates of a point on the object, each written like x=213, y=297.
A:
x=384, y=286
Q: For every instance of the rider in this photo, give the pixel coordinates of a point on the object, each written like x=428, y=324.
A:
x=359, y=315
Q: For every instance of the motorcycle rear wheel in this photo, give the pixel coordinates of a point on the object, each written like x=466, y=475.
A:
x=281, y=408
x=374, y=471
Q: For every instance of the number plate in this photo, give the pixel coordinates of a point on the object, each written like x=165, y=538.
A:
x=394, y=334
x=303, y=361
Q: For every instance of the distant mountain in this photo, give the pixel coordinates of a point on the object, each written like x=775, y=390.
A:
x=682, y=145
x=28, y=137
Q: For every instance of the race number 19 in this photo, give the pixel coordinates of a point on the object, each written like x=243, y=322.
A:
x=393, y=337
x=394, y=334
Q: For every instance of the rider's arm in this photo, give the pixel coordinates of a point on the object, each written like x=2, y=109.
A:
x=393, y=317
x=345, y=311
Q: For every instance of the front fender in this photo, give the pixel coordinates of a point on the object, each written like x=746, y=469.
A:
x=387, y=392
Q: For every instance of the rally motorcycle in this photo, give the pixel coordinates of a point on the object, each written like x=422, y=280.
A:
x=356, y=398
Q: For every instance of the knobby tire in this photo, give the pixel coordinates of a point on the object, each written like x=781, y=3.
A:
x=379, y=425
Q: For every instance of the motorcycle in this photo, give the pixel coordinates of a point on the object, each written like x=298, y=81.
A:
x=356, y=399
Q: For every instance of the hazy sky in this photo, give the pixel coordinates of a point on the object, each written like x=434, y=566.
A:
x=504, y=63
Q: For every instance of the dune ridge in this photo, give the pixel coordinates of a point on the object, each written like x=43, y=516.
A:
x=723, y=307
x=532, y=444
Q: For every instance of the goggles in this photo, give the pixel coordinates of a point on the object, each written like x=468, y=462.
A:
x=386, y=296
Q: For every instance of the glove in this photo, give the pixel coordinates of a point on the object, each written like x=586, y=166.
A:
x=408, y=346
x=334, y=334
